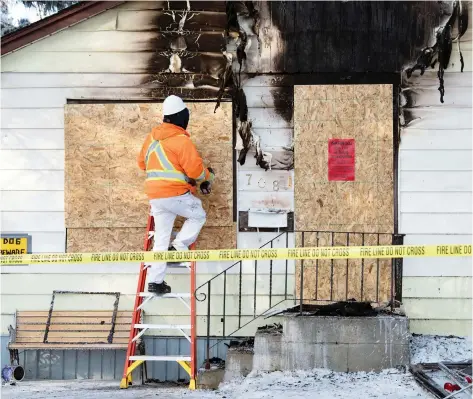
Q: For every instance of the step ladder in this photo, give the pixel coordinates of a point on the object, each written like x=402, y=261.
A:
x=137, y=328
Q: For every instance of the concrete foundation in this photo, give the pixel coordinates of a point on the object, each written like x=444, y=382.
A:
x=344, y=344
x=268, y=352
x=238, y=364
x=209, y=379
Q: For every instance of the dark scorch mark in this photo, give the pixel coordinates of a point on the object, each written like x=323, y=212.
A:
x=441, y=51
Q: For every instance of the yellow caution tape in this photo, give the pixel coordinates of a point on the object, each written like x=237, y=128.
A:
x=222, y=255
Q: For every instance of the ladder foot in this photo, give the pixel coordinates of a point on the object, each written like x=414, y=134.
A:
x=124, y=383
x=192, y=384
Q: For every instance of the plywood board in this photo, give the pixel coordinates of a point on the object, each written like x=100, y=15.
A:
x=363, y=113
x=339, y=280
x=131, y=239
x=104, y=188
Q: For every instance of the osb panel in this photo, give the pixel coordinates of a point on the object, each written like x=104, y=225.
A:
x=104, y=186
x=364, y=113
x=339, y=280
x=131, y=239
x=105, y=240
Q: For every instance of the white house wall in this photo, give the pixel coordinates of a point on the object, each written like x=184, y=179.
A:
x=435, y=197
x=100, y=59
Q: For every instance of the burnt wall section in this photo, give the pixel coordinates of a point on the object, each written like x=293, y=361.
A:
x=295, y=37
x=329, y=37
x=438, y=55
x=188, y=46
x=260, y=104
x=335, y=36
x=211, y=50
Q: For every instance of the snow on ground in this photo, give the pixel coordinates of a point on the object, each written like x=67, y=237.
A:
x=320, y=384
x=431, y=349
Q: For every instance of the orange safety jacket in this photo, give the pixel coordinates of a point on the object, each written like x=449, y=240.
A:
x=170, y=160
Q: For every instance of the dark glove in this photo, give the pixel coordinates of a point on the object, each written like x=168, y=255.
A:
x=211, y=170
x=206, y=188
x=192, y=182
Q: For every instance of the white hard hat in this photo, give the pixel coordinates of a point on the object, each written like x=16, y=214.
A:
x=173, y=105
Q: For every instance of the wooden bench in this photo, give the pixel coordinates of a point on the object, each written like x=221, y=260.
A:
x=70, y=330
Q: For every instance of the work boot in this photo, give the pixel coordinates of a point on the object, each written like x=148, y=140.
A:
x=159, y=289
x=173, y=248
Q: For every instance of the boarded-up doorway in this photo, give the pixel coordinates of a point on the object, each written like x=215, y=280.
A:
x=106, y=208
x=363, y=114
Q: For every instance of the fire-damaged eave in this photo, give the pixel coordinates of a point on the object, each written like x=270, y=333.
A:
x=54, y=23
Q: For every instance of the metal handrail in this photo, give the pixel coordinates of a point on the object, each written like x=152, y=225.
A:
x=236, y=263
x=396, y=266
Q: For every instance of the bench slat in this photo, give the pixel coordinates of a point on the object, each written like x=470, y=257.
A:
x=74, y=313
x=71, y=330
x=74, y=327
x=72, y=340
x=54, y=334
x=71, y=320
x=66, y=346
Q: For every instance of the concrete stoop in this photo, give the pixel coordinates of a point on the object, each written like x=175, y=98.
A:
x=239, y=363
x=346, y=344
x=209, y=379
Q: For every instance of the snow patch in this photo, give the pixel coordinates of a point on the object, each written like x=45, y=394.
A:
x=323, y=384
x=319, y=383
x=433, y=349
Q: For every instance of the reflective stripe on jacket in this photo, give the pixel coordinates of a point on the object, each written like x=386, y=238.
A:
x=171, y=160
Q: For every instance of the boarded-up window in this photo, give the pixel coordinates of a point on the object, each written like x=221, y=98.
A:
x=106, y=208
x=362, y=113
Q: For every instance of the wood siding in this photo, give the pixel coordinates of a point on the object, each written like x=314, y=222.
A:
x=120, y=55
x=435, y=201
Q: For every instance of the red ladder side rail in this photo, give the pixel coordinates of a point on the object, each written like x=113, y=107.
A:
x=138, y=300
x=193, y=375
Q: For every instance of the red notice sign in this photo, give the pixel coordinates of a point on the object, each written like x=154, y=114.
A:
x=341, y=159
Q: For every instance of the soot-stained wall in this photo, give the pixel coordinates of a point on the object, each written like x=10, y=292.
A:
x=335, y=37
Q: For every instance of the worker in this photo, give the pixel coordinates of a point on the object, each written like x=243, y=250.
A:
x=173, y=168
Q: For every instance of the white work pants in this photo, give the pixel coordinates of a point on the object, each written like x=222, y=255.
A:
x=164, y=211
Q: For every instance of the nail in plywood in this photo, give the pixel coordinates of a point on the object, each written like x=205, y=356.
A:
x=364, y=113
x=104, y=188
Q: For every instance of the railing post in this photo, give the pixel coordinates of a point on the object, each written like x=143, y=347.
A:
x=207, y=363
x=362, y=266
x=346, y=275
x=254, y=299
x=377, y=272
x=396, y=278
x=302, y=278
x=287, y=262
x=224, y=296
x=317, y=269
x=270, y=277
x=239, y=298
x=331, y=269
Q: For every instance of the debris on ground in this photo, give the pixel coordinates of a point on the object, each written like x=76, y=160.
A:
x=432, y=349
x=350, y=308
x=242, y=346
x=275, y=328
x=443, y=379
x=245, y=343
x=215, y=363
